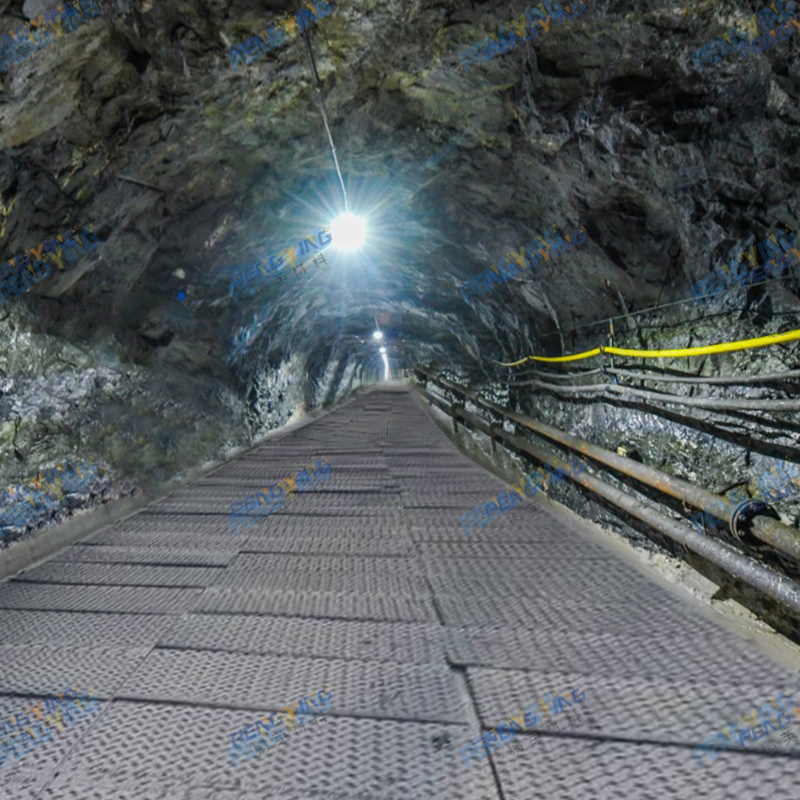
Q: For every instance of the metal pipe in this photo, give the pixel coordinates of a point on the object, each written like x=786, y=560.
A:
x=711, y=403
x=774, y=585
x=766, y=378
x=771, y=531
x=769, y=377
x=555, y=376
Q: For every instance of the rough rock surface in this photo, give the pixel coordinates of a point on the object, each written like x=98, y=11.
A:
x=137, y=123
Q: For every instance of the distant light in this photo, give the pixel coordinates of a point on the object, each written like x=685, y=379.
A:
x=377, y=335
x=181, y=296
x=348, y=232
x=383, y=351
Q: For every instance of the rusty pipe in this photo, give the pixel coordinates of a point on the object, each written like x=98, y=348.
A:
x=771, y=531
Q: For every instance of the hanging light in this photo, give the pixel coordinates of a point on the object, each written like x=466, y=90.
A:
x=348, y=232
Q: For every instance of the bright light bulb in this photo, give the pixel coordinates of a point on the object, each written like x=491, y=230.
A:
x=348, y=232
x=377, y=335
x=382, y=350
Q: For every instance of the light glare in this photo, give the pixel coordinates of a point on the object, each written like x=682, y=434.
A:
x=348, y=232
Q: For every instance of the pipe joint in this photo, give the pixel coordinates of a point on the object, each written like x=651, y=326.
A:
x=743, y=515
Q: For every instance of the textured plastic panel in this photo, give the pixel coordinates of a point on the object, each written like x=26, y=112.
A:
x=323, y=527
x=712, y=654
x=26, y=773
x=23, y=785
x=224, y=485
x=443, y=479
x=63, y=627
x=580, y=572
x=539, y=551
x=121, y=574
x=159, y=535
x=334, y=544
x=320, y=502
x=343, y=757
x=141, y=600
x=45, y=669
x=377, y=583
x=535, y=580
x=342, y=478
x=437, y=485
x=348, y=492
x=490, y=535
x=440, y=517
x=534, y=518
x=543, y=606
x=531, y=612
x=455, y=504
x=196, y=525
x=365, y=641
x=566, y=768
x=331, y=605
x=248, y=562
x=426, y=692
x=629, y=707
x=521, y=523
x=163, y=556
x=377, y=472
x=321, y=510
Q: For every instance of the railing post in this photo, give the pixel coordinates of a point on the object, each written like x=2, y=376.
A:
x=455, y=417
x=493, y=433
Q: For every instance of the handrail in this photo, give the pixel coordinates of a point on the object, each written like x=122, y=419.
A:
x=779, y=536
x=685, y=352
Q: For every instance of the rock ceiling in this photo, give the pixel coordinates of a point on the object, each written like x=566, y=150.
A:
x=137, y=123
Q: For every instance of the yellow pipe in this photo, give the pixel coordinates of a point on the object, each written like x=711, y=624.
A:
x=688, y=352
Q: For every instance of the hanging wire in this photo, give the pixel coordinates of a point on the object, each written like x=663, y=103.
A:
x=688, y=301
x=318, y=87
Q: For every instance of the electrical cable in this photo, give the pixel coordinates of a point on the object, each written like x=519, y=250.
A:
x=685, y=352
x=318, y=87
x=667, y=305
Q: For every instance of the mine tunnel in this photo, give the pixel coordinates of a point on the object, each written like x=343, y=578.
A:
x=398, y=401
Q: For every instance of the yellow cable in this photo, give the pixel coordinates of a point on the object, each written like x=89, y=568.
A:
x=725, y=347
x=513, y=364
x=576, y=357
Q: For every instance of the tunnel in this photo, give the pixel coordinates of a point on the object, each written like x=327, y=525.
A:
x=399, y=401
